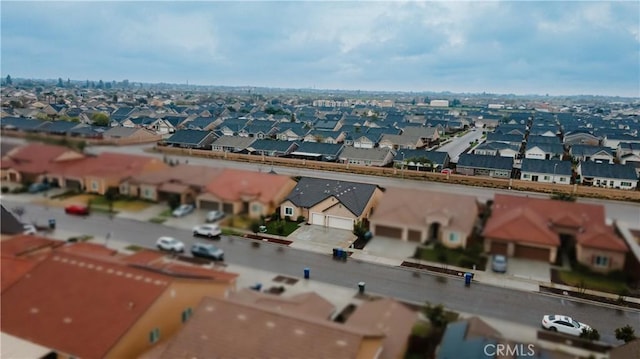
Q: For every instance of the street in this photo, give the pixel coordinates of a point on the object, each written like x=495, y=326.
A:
x=459, y=144
x=501, y=303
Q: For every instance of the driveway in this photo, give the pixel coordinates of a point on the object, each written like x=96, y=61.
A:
x=390, y=248
x=322, y=236
x=528, y=269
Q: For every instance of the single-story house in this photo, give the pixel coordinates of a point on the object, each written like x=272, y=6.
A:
x=425, y=216
x=231, y=143
x=541, y=151
x=330, y=203
x=245, y=192
x=546, y=171
x=501, y=149
x=608, y=175
x=421, y=160
x=378, y=157
x=131, y=133
x=478, y=165
x=318, y=151
x=272, y=148
x=539, y=229
x=33, y=162
x=581, y=137
x=191, y=139
x=584, y=153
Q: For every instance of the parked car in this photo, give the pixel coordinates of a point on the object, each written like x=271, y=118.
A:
x=499, y=263
x=29, y=229
x=38, y=187
x=207, y=230
x=77, y=209
x=214, y=216
x=170, y=244
x=183, y=210
x=563, y=324
x=207, y=251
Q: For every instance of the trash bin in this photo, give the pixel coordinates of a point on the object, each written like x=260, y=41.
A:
x=307, y=271
x=52, y=223
x=257, y=287
x=361, y=287
x=335, y=253
x=467, y=279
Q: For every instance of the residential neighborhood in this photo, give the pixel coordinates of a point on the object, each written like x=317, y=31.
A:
x=79, y=183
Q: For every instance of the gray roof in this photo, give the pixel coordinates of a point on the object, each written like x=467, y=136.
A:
x=372, y=154
x=586, y=150
x=507, y=138
x=189, y=137
x=546, y=166
x=311, y=191
x=543, y=139
x=546, y=147
x=272, y=145
x=234, y=141
x=316, y=148
x=497, y=146
x=9, y=224
x=120, y=131
x=486, y=162
x=21, y=123
x=436, y=158
x=455, y=344
x=606, y=170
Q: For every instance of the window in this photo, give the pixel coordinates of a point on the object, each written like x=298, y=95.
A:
x=453, y=237
x=546, y=178
x=146, y=193
x=186, y=314
x=94, y=185
x=288, y=211
x=562, y=179
x=525, y=176
x=154, y=335
x=625, y=184
x=256, y=208
x=601, y=261
x=610, y=183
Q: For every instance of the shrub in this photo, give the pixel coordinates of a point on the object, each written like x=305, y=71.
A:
x=301, y=219
x=287, y=218
x=5, y=189
x=255, y=227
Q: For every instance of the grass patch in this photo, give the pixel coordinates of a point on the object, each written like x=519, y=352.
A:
x=465, y=258
x=593, y=281
x=166, y=213
x=133, y=248
x=273, y=227
x=230, y=232
x=158, y=220
x=65, y=195
x=421, y=329
x=119, y=205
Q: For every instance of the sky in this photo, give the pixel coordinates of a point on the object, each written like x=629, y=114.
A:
x=505, y=47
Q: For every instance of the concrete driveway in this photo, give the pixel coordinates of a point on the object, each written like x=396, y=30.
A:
x=322, y=236
x=527, y=269
x=390, y=248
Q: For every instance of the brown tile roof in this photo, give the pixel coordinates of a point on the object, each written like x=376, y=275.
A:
x=392, y=318
x=308, y=304
x=13, y=269
x=37, y=158
x=533, y=220
x=191, y=175
x=412, y=207
x=626, y=351
x=23, y=245
x=237, y=185
x=78, y=305
x=113, y=165
x=144, y=256
x=240, y=330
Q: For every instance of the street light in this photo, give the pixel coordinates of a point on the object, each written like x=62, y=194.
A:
x=553, y=180
x=402, y=166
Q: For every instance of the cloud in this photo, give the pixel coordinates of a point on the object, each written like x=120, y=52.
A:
x=541, y=47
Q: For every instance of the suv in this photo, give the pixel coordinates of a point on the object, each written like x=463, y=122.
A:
x=170, y=244
x=207, y=251
x=207, y=230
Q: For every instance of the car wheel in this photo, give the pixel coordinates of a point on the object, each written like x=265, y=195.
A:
x=209, y=235
x=195, y=233
x=159, y=247
x=553, y=329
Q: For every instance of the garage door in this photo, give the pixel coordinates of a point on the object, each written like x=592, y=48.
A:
x=227, y=208
x=415, y=236
x=209, y=205
x=317, y=218
x=341, y=223
x=73, y=184
x=540, y=254
x=499, y=248
x=391, y=232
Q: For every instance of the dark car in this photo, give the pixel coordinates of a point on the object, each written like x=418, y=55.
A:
x=38, y=187
x=207, y=251
x=77, y=209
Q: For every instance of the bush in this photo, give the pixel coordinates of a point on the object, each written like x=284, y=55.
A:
x=21, y=189
x=5, y=189
x=467, y=262
x=287, y=218
x=275, y=216
x=301, y=219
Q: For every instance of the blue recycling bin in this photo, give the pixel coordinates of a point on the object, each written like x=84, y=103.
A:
x=257, y=287
x=307, y=272
x=335, y=253
x=467, y=279
x=52, y=223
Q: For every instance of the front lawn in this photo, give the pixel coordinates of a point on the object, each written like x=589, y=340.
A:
x=466, y=258
x=273, y=227
x=119, y=205
x=593, y=281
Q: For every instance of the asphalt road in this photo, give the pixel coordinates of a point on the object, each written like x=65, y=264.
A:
x=459, y=144
x=502, y=303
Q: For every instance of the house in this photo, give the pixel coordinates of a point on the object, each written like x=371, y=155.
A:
x=326, y=125
x=513, y=139
x=421, y=160
x=581, y=137
x=400, y=142
x=497, y=149
x=144, y=298
x=478, y=165
x=365, y=141
x=429, y=136
x=232, y=126
x=507, y=129
x=254, y=331
x=20, y=124
x=309, y=304
x=627, y=148
x=612, y=140
x=191, y=139
x=9, y=224
x=324, y=136
x=543, y=151
x=543, y=140
x=539, y=229
x=271, y=148
x=254, y=194
x=202, y=124
x=318, y=151
x=425, y=216
x=137, y=135
x=378, y=157
x=104, y=171
x=231, y=143
x=546, y=171
x=607, y=175
x=291, y=131
x=58, y=127
x=33, y=162
x=598, y=154
x=330, y=203
x=184, y=181
x=258, y=130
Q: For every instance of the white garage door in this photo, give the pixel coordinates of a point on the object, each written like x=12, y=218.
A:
x=341, y=223
x=317, y=218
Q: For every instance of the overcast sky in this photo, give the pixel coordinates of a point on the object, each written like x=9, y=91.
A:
x=541, y=47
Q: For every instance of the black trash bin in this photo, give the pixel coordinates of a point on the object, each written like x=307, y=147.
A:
x=361, y=287
x=52, y=223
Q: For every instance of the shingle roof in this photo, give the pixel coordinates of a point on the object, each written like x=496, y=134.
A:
x=534, y=139
x=311, y=191
x=317, y=148
x=373, y=154
x=271, y=145
x=547, y=166
x=606, y=170
x=9, y=224
x=189, y=137
x=234, y=141
x=586, y=150
x=21, y=123
x=436, y=157
x=485, y=162
x=58, y=126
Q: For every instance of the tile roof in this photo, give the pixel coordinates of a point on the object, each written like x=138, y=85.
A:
x=192, y=175
x=9, y=224
x=603, y=237
x=238, y=185
x=36, y=158
x=113, y=165
x=264, y=333
x=306, y=304
x=310, y=191
x=410, y=207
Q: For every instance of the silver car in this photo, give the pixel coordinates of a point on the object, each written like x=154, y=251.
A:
x=170, y=244
x=499, y=263
x=183, y=210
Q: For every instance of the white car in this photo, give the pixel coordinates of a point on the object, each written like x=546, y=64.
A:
x=563, y=324
x=207, y=230
x=183, y=210
x=214, y=216
x=170, y=244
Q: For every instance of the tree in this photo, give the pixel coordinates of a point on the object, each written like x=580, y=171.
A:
x=359, y=229
x=60, y=83
x=436, y=315
x=590, y=334
x=100, y=119
x=625, y=333
x=8, y=80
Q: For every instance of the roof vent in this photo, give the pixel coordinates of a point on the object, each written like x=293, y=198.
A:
x=341, y=343
x=66, y=320
x=242, y=317
x=271, y=325
x=299, y=332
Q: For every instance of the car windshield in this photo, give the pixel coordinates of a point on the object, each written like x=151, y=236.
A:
x=499, y=259
x=574, y=323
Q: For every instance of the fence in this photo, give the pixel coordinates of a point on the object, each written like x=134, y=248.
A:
x=87, y=140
